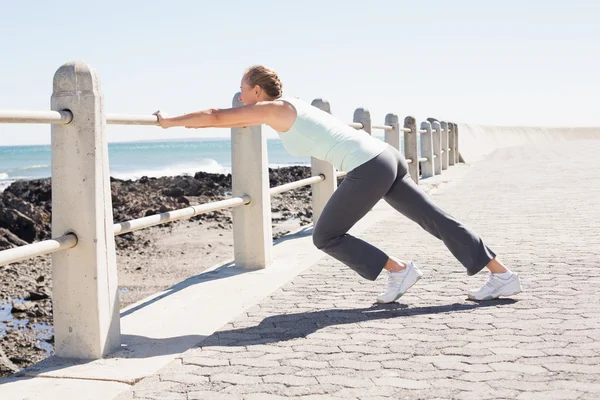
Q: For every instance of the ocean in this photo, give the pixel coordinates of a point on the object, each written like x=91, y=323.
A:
x=132, y=160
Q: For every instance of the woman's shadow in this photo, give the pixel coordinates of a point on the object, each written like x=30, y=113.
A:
x=283, y=327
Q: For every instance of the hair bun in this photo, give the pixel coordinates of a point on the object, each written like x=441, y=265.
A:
x=266, y=78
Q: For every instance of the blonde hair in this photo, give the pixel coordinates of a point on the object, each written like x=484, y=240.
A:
x=266, y=78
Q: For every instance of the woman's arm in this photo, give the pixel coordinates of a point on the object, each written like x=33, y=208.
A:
x=256, y=114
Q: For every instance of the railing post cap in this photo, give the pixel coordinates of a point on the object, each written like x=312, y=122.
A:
x=391, y=118
x=435, y=125
x=444, y=124
x=236, y=100
x=410, y=120
x=76, y=76
x=321, y=104
x=361, y=113
x=426, y=125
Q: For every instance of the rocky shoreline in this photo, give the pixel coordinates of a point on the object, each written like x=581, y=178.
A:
x=142, y=256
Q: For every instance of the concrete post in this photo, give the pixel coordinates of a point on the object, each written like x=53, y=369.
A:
x=393, y=137
x=363, y=116
x=457, y=157
x=84, y=278
x=444, y=125
x=427, y=150
x=451, y=145
x=322, y=192
x=252, y=232
x=410, y=147
x=437, y=147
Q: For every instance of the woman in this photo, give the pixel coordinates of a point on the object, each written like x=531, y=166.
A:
x=375, y=171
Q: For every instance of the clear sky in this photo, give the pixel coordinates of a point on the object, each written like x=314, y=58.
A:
x=503, y=62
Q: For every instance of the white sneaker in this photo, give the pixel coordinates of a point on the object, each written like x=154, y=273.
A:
x=399, y=282
x=496, y=287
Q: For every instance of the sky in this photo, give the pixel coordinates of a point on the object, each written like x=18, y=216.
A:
x=505, y=62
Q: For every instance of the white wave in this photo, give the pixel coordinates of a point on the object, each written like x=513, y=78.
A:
x=3, y=175
x=4, y=185
x=31, y=167
x=210, y=166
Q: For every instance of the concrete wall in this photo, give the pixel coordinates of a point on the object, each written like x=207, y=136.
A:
x=475, y=141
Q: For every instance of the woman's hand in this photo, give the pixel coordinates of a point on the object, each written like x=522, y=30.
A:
x=162, y=119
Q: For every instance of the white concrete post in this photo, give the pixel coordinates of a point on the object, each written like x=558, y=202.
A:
x=322, y=192
x=84, y=278
x=457, y=158
x=451, y=145
x=445, y=157
x=437, y=147
x=252, y=232
x=427, y=150
x=393, y=137
x=410, y=147
x=363, y=116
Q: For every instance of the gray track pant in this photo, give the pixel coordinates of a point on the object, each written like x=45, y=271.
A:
x=386, y=176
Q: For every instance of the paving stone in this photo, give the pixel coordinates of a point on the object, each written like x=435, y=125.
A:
x=291, y=380
x=562, y=367
x=345, y=381
x=208, y=395
x=254, y=362
x=158, y=395
x=205, y=362
x=356, y=365
x=402, y=383
x=235, y=379
x=550, y=395
x=186, y=378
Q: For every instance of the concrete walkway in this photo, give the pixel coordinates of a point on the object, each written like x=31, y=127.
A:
x=320, y=336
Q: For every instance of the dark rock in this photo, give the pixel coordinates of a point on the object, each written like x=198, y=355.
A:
x=9, y=240
x=22, y=307
x=41, y=294
x=18, y=223
x=173, y=192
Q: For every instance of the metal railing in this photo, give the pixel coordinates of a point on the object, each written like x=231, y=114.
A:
x=36, y=117
x=183, y=213
x=86, y=171
x=41, y=248
x=124, y=119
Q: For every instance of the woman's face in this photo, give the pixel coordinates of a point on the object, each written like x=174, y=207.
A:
x=249, y=94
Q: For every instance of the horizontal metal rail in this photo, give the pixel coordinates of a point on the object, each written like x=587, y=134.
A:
x=355, y=125
x=296, y=184
x=423, y=159
x=37, y=249
x=405, y=130
x=339, y=174
x=36, y=117
x=423, y=131
x=169, y=216
x=409, y=161
x=128, y=119
x=384, y=127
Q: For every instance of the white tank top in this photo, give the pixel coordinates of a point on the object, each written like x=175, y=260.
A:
x=318, y=134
